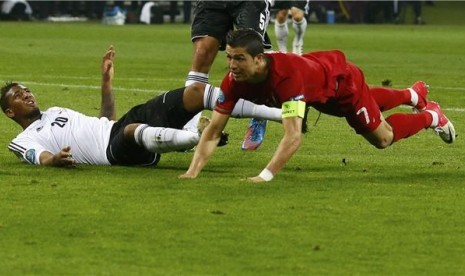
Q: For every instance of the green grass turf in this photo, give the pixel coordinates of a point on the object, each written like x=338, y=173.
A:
x=340, y=207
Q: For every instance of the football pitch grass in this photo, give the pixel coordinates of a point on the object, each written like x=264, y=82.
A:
x=340, y=207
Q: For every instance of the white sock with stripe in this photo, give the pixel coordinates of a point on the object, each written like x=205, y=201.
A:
x=193, y=77
x=282, y=32
x=161, y=139
x=299, y=33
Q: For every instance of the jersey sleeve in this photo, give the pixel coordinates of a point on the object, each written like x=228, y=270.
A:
x=291, y=88
x=26, y=150
x=226, y=100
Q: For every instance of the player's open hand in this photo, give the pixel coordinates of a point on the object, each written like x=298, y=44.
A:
x=107, y=65
x=64, y=158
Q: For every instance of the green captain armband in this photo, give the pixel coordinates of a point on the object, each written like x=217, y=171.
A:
x=293, y=109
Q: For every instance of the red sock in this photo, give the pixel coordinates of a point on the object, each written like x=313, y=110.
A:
x=405, y=125
x=388, y=98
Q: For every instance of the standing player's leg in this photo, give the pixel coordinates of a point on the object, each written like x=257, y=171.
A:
x=281, y=29
x=205, y=51
x=299, y=24
x=207, y=31
x=388, y=98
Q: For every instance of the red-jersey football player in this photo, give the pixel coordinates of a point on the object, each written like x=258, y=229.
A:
x=324, y=80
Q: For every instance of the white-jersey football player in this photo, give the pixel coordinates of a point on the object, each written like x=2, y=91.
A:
x=63, y=137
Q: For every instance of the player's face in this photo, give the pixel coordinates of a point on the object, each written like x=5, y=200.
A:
x=21, y=102
x=242, y=65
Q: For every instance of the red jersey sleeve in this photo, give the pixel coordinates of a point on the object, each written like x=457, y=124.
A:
x=226, y=100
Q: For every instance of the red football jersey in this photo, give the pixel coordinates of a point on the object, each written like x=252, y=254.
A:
x=311, y=78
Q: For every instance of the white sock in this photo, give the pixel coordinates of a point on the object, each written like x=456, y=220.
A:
x=161, y=139
x=246, y=109
x=193, y=123
x=210, y=95
x=193, y=77
x=282, y=32
x=243, y=108
x=299, y=30
x=435, y=121
x=413, y=97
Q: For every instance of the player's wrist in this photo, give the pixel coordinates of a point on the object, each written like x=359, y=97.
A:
x=266, y=175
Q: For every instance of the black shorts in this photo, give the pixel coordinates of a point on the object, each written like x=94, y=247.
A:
x=217, y=18
x=166, y=110
x=285, y=5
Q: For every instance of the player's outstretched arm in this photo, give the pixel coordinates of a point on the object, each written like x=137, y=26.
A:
x=289, y=144
x=107, y=108
x=60, y=159
x=208, y=143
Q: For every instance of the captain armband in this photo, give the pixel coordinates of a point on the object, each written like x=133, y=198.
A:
x=291, y=109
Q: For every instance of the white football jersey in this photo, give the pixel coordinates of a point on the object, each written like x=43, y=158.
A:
x=58, y=128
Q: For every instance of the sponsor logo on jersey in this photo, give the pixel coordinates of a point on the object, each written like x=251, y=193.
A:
x=31, y=156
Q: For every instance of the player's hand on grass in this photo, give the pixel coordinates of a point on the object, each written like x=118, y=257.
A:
x=64, y=158
x=187, y=176
x=255, y=179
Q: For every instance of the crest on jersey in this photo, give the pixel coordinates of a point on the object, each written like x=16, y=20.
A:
x=31, y=156
x=220, y=97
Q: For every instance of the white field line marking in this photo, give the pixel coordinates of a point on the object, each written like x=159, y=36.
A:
x=162, y=91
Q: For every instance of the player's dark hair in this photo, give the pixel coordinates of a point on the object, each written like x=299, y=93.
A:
x=249, y=39
x=8, y=85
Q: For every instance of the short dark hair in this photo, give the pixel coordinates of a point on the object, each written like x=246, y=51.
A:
x=250, y=39
x=8, y=85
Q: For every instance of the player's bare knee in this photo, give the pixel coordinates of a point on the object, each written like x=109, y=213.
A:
x=298, y=17
x=197, y=88
x=382, y=144
x=128, y=131
x=193, y=97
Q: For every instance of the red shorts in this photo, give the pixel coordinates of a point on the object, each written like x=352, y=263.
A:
x=353, y=101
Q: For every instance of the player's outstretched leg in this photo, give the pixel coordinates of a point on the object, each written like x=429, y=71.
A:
x=161, y=139
x=388, y=98
x=441, y=124
x=405, y=125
